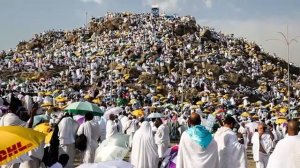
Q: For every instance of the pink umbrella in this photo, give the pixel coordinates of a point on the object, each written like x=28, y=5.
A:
x=79, y=119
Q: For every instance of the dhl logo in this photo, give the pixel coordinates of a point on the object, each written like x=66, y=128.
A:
x=13, y=150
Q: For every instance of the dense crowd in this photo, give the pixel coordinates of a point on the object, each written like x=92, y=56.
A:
x=169, y=65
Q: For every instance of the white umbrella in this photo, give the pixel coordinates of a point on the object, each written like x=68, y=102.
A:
x=156, y=115
x=29, y=64
x=115, y=147
x=107, y=164
x=114, y=110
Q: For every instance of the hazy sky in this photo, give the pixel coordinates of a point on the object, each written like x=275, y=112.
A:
x=257, y=20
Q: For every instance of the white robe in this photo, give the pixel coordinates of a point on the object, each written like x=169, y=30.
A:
x=91, y=130
x=111, y=128
x=144, y=151
x=162, y=139
x=286, y=153
x=102, y=125
x=266, y=142
x=191, y=154
x=11, y=119
x=231, y=153
x=67, y=131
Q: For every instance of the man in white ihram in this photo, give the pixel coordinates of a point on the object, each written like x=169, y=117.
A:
x=130, y=128
x=111, y=126
x=231, y=152
x=287, y=150
x=162, y=138
x=197, y=148
x=67, y=132
x=262, y=145
x=91, y=130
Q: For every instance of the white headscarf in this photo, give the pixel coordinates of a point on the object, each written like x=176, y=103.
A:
x=144, y=150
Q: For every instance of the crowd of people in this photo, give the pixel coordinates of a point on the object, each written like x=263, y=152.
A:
x=218, y=94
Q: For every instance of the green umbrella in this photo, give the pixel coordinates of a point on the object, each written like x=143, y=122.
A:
x=121, y=102
x=169, y=106
x=81, y=108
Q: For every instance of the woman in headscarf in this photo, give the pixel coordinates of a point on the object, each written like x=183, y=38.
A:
x=144, y=150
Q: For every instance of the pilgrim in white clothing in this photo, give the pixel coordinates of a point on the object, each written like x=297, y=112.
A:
x=197, y=148
x=130, y=128
x=91, y=130
x=67, y=132
x=162, y=138
x=231, y=153
x=261, y=148
x=287, y=150
x=144, y=150
x=286, y=153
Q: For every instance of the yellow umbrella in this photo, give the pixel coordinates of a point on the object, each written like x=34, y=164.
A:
x=17, y=141
x=96, y=101
x=245, y=114
x=159, y=87
x=138, y=113
x=206, y=111
x=48, y=93
x=46, y=104
x=61, y=99
x=283, y=110
x=199, y=102
x=87, y=96
x=56, y=91
x=281, y=120
x=46, y=129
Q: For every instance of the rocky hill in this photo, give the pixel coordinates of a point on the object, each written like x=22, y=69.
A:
x=168, y=52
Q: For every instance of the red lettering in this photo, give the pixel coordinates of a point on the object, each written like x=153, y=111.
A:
x=3, y=155
x=12, y=150
x=29, y=145
x=20, y=147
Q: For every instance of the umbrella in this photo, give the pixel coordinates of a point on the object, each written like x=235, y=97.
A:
x=79, y=119
x=115, y=147
x=83, y=107
x=281, y=120
x=114, y=110
x=138, y=113
x=283, y=110
x=156, y=115
x=46, y=129
x=107, y=164
x=245, y=114
x=18, y=141
x=37, y=119
x=121, y=102
x=169, y=105
x=199, y=103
